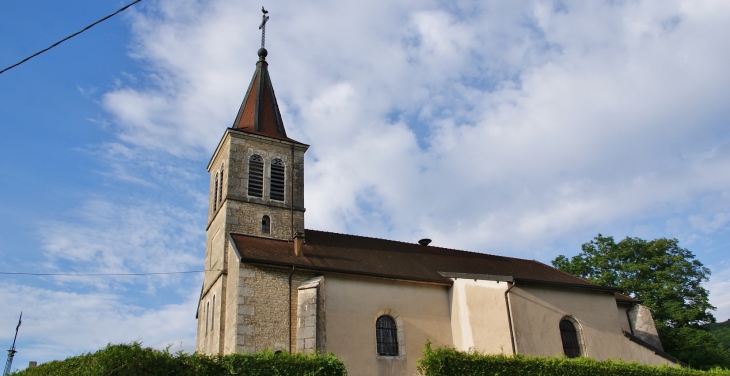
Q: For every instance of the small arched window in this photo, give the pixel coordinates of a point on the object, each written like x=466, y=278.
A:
x=255, y=176
x=569, y=336
x=386, y=333
x=277, y=180
x=266, y=225
x=212, y=317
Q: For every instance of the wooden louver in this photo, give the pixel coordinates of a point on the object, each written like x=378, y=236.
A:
x=277, y=180
x=255, y=176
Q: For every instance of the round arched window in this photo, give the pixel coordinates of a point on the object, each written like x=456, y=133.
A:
x=387, y=336
x=569, y=336
x=265, y=225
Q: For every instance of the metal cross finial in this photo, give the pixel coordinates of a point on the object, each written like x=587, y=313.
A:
x=264, y=18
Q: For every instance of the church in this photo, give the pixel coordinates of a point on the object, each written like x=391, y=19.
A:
x=273, y=284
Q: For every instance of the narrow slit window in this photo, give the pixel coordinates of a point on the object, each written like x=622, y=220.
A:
x=277, y=180
x=220, y=186
x=387, y=336
x=207, y=311
x=266, y=225
x=215, y=193
x=255, y=176
x=569, y=336
x=212, y=316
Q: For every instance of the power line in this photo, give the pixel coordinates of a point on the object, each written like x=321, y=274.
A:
x=104, y=274
x=70, y=36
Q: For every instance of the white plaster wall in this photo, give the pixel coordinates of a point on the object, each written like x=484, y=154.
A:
x=479, y=316
x=623, y=317
x=537, y=311
x=353, y=304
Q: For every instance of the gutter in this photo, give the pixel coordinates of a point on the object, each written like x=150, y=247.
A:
x=509, y=318
x=446, y=282
x=573, y=285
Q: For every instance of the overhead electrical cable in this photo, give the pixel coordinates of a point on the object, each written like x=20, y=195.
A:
x=104, y=274
x=70, y=36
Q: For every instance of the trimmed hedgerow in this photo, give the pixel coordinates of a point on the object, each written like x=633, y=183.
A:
x=133, y=359
x=446, y=361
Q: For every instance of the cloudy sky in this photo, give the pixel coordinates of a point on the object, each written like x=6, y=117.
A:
x=520, y=128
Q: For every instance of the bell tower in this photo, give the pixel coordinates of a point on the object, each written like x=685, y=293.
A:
x=256, y=189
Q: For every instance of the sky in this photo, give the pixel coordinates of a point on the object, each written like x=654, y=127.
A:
x=521, y=128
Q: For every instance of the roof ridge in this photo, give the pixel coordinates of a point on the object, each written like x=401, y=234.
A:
x=432, y=246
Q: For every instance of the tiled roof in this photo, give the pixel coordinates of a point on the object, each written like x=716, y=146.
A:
x=625, y=298
x=327, y=251
x=259, y=112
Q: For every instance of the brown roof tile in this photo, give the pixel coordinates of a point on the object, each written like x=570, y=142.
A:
x=259, y=112
x=327, y=251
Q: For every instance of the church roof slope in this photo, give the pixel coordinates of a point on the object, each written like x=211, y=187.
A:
x=327, y=251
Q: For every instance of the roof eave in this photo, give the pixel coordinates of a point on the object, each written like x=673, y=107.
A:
x=442, y=282
x=571, y=285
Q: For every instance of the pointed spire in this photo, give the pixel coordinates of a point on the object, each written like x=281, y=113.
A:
x=259, y=112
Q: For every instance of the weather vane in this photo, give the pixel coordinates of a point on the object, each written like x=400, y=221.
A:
x=264, y=18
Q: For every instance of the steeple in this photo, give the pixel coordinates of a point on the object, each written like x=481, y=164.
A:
x=259, y=112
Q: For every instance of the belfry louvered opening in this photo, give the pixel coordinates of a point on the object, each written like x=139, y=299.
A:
x=277, y=180
x=255, y=176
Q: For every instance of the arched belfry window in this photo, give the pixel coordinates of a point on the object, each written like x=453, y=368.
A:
x=266, y=225
x=255, y=176
x=386, y=333
x=570, y=337
x=277, y=180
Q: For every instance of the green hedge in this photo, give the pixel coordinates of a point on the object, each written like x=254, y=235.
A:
x=133, y=359
x=450, y=362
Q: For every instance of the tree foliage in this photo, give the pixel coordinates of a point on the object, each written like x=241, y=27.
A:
x=665, y=276
x=696, y=346
x=721, y=331
x=133, y=359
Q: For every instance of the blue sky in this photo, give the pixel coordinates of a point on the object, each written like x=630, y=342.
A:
x=520, y=129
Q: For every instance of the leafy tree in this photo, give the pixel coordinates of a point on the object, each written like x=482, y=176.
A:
x=721, y=331
x=666, y=277
x=695, y=346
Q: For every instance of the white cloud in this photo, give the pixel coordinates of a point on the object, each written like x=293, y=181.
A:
x=492, y=127
x=108, y=237
x=719, y=287
x=58, y=324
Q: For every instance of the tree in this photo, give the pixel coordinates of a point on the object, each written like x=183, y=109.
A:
x=667, y=278
x=695, y=346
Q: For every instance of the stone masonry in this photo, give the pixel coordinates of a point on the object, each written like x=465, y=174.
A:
x=263, y=312
x=308, y=315
x=251, y=303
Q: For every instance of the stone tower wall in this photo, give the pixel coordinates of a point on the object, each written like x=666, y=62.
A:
x=237, y=329
x=245, y=212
